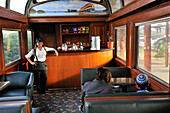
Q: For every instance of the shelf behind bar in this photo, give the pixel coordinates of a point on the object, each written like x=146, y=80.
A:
x=75, y=33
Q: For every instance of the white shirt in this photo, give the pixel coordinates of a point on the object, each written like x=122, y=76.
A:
x=41, y=54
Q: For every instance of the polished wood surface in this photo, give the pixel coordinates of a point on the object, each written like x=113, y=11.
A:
x=64, y=70
x=129, y=8
x=100, y=29
x=72, y=19
x=127, y=98
x=5, y=13
x=12, y=21
x=156, y=12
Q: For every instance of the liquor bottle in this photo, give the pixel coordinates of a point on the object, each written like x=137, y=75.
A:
x=81, y=46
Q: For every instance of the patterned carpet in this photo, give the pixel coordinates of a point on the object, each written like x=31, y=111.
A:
x=58, y=101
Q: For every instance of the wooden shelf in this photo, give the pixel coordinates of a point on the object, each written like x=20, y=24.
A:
x=75, y=33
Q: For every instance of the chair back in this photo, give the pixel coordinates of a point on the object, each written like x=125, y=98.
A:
x=88, y=74
x=17, y=79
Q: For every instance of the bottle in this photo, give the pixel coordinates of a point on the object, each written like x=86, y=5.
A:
x=62, y=47
x=65, y=45
x=73, y=46
x=81, y=46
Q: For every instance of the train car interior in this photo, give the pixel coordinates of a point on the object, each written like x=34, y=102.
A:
x=84, y=56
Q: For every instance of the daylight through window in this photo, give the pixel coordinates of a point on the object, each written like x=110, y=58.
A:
x=11, y=46
x=121, y=42
x=154, y=49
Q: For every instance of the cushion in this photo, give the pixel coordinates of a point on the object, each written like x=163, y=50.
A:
x=13, y=92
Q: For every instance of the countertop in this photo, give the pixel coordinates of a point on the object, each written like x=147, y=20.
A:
x=86, y=50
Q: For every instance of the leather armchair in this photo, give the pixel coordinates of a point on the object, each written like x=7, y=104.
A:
x=7, y=105
x=21, y=84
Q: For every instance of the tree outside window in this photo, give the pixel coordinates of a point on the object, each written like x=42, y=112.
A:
x=11, y=46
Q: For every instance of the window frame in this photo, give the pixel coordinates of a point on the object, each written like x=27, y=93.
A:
x=137, y=49
x=116, y=28
x=31, y=38
x=17, y=61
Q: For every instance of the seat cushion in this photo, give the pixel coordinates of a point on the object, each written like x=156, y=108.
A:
x=12, y=108
x=13, y=92
x=18, y=79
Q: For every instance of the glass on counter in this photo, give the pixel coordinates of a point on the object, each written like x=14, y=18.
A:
x=64, y=47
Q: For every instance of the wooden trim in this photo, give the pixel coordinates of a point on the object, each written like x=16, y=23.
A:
x=23, y=41
x=120, y=62
x=9, y=24
x=13, y=66
x=131, y=45
x=61, y=19
x=127, y=98
x=156, y=12
x=2, y=63
x=28, y=13
x=129, y=8
x=128, y=44
x=5, y=13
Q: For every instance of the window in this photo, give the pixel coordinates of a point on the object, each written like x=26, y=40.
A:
x=115, y=5
x=127, y=1
x=29, y=38
x=121, y=42
x=2, y=3
x=154, y=49
x=18, y=8
x=11, y=46
x=68, y=8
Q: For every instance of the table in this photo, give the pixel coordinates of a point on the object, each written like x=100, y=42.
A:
x=123, y=84
x=4, y=85
x=123, y=81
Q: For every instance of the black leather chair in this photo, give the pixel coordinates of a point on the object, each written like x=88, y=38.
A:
x=21, y=84
x=19, y=104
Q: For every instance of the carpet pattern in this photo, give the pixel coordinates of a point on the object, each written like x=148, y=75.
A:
x=58, y=101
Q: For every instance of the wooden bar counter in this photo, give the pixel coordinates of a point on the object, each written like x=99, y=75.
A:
x=64, y=70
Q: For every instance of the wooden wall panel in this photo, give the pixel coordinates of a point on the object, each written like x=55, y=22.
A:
x=12, y=20
x=72, y=19
x=100, y=29
x=64, y=70
x=47, y=33
x=7, y=14
x=2, y=62
x=129, y=8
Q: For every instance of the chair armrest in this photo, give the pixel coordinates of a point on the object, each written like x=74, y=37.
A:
x=16, y=98
x=31, y=81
